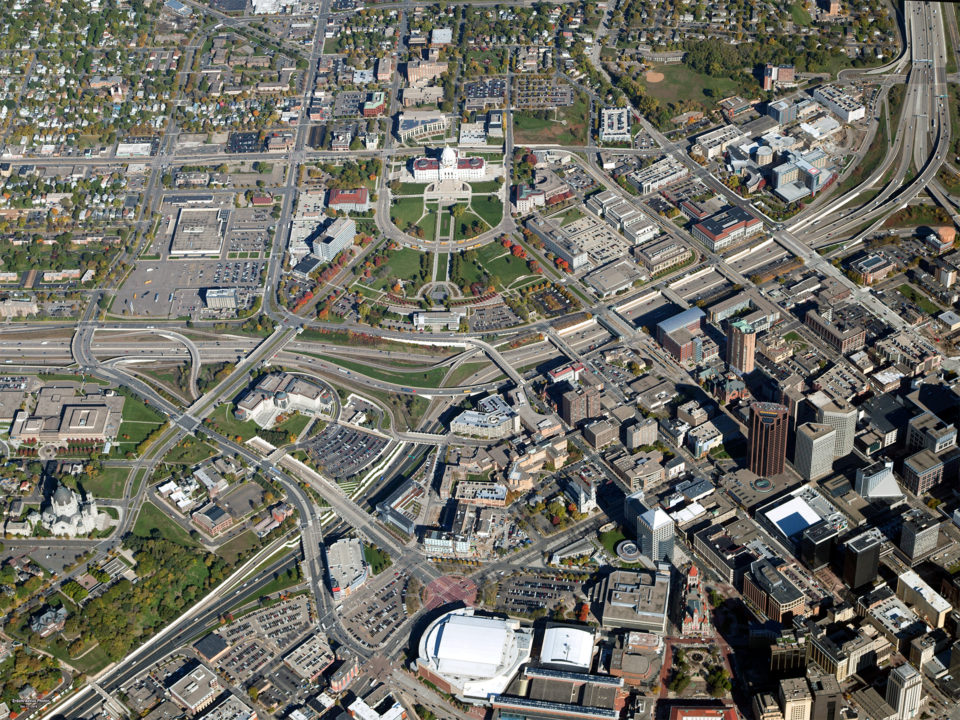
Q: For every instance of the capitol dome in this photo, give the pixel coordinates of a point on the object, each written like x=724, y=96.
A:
x=448, y=158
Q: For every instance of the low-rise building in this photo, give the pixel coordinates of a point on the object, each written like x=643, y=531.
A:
x=635, y=600
x=346, y=566
x=731, y=225
x=196, y=689
x=281, y=394
x=493, y=418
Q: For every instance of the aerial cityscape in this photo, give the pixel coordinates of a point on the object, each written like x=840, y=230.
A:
x=517, y=360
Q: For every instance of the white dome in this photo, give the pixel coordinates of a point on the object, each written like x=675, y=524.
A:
x=448, y=158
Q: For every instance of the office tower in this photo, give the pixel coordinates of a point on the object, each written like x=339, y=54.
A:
x=796, y=702
x=877, y=481
x=643, y=432
x=919, y=534
x=741, y=346
x=840, y=415
x=767, y=438
x=578, y=404
x=827, y=698
x=633, y=508
x=814, y=454
x=861, y=558
x=816, y=545
x=904, y=691
x=655, y=534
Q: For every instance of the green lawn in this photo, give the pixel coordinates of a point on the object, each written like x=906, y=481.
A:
x=224, y=422
x=137, y=422
x=423, y=379
x=53, y=377
x=403, y=264
x=189, y=451
x=918, y=298
x=412, y=189
x=611, y=539
x=800, y=15
x=871, y=160
x=108, y=483
x=428, y=223
x=571, y=215
x=485, y=187
x=153, y=518
x=406, y=211
x=464, y=371
x=445, y=225
x=501, y=265
x=489, y=208
x=294, y=424
x=568, y=127
x=239, y=546
x=681, y=83
x=376, y=558
x=136, y=411
x=462, y=225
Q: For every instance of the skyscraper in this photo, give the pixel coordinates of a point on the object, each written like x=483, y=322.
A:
x=741, y=346
x=767, y=438
x=827, y=697
x=861, y=559
x=579, y=404
x=905, y=691
x=840, y=415
x=796, y=701
x=655, y=534
x=919, y=534
x=814, y=454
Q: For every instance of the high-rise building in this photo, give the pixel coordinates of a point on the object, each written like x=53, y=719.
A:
x=919, y=534
x=579, y=404
x=796, y=701
x=767, y=438
x=741, y=346
x=640, y=433
x=842, y=416
x=861, y=559
x=655, y=534
x=827, y=697
x=816, y=545
x=814, y=452
x=905, y=691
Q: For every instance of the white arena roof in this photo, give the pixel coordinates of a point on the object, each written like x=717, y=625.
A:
x=477, y=656
x=567, y=646
x=793, y=516
x=468, y=645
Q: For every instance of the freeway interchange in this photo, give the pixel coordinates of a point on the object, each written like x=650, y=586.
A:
x=112, y=350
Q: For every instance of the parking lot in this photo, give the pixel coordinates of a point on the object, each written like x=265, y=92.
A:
x=243, y=142
x=703, y=286
x=342, y=452
x=529, y=592
x=381, y=609
x=156, y=288
x=492, y=317
x=347, y=103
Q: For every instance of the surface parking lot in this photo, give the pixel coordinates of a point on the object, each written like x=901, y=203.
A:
x=379, y=614
x=156, y=288
x=493, y=317
x=527, y=592
x=343, y=452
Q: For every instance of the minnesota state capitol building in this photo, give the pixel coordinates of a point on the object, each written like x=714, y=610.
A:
x=67, y=514
x=450, y=166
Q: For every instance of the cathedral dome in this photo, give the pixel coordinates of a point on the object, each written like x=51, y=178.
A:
x=448, y=158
